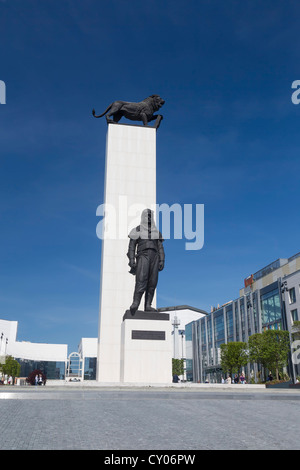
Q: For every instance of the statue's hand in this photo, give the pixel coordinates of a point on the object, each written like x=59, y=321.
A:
x=161, y=265
x=132, y=263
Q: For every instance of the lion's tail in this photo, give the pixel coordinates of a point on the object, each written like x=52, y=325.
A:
x=101, y=115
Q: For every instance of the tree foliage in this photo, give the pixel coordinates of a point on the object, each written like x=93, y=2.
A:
x=271, y=349
x=11, y=367
x=233, y=356
x=255, y=344
x=177, y=366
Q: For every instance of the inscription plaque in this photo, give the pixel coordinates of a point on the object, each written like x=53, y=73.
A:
x=152, y=335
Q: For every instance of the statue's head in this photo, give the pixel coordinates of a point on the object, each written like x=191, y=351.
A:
x=157, y=101
x=148, y=224
x=147, y=217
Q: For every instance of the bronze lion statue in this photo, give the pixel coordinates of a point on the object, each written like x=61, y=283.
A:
x=142, y=111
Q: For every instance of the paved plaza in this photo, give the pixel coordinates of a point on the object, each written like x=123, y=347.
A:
x=111, y=418
x=148, y=419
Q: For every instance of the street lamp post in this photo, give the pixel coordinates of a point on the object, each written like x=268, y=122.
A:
x=176, y=323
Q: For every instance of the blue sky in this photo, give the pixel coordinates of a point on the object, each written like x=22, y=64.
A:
x=229, y=140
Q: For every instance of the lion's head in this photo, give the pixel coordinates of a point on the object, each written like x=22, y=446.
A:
x=157, y=101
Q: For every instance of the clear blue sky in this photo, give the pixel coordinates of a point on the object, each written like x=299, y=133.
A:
x=229, y=140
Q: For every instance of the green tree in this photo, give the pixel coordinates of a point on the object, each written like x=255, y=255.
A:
x=276, y=347
x=270, y=349
x=256, y=349
x=234, y=355
x=177, y=366
x=11, y=367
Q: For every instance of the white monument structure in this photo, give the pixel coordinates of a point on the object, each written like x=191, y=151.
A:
x=132, y=349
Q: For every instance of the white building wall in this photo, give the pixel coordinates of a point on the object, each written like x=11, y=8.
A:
x=9, y=331
x=185, y=316
x=88, y=347
x=28, y=350
x=40, y=351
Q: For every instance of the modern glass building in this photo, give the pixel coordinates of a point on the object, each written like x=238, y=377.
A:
x=54, y=370
x=51, y=359
x=88, y=352
x=270, y=299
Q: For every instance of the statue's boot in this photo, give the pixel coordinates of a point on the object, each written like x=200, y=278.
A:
x=148, y=301
x=136, y=302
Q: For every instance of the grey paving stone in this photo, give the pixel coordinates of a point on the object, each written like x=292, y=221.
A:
x=148, y=420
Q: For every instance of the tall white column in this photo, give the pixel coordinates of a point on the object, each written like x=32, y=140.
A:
x=130, y=179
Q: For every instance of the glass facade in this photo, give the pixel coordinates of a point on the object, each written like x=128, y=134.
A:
x=209, y=341
x=271, y=310
x=53, y=370
x=229, y=323
x=237, y=327
x=219, y=334
x=89, y=368
x=243, y=320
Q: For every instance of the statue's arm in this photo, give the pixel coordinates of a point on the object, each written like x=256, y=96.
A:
x=161, y=253
x=131, y=252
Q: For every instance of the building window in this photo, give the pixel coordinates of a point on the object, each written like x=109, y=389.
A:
x=219, y=326
x=218, y=352
x=203, y=333
x=52, y=369
x=292, y=295
x=229, y=323
x=209, y=334
x=189, y=351
x=74, y=365
x=270, y=307
x=90, y=368
x=294, y=315
x=243, y=322
x=237, y=330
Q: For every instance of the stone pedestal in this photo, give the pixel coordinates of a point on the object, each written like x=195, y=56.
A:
x=146, y=348
x=130, y=180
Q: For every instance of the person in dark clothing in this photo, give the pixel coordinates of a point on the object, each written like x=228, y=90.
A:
x=146, y=258
x=270, y=377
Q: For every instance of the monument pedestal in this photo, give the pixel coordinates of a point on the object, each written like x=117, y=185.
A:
x=146, y=348
x=130, y=177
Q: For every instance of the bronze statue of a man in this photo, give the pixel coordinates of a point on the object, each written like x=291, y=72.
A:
x=146, y=258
